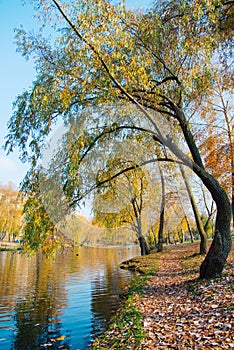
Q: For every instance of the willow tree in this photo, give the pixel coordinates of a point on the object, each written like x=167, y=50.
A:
x=159, y=61
x=122, y=200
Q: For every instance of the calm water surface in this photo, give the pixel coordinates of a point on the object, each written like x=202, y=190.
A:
x=59, y=304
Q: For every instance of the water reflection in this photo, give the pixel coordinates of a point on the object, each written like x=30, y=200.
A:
x=59, y=304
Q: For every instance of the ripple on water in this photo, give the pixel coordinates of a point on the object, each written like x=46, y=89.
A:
x=64, y=303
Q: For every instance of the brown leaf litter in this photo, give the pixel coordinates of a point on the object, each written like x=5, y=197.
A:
x=181, y=312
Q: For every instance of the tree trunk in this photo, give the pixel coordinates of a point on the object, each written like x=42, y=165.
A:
x=207, y=224
x=214, y=262
x=181, y=235
x=168, y=238
x=155, y=238
x=201, y=231
x=145, y=250
x=143, y=246
x=231, y=147
x=162, y=211
x=189, y=229
x=233, y=196
x=160, y=231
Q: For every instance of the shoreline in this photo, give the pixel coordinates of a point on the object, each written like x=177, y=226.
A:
x=160, y=310
x=9, y=246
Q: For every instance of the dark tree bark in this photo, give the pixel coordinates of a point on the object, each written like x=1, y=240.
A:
x=137, y=225
x=145, y=250
x=2, y=235
x=201, y=231
x=181, y=235
x=215, y=260
x=232, y=164
x=221, y=245
x=162, y=212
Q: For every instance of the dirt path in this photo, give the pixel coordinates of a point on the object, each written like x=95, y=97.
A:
x=180, y=312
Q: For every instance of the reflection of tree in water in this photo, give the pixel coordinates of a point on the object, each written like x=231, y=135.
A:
x=37, y=311
x=34, y=288
x=106, y=289
x=38, y=326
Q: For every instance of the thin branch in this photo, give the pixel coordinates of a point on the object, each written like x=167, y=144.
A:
x=157, y=83
x=113, y=130
x=103, y=182
x=105, y=66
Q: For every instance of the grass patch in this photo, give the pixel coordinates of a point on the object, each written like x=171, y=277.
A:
x=126, y=330
x=146, y=264
x=192, y=263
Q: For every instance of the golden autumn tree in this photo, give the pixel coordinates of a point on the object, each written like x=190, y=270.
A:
x=159, y=61
x=217, y=144
x=11, y=207
x=122, y=200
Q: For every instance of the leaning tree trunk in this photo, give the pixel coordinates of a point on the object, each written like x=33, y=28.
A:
x=214, y=261
x=201, y=231
x=162, y=212
x=221, y=245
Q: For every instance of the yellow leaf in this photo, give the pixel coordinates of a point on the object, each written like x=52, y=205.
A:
x=61, y=338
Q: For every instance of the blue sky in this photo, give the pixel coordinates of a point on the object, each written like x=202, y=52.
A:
x=16, y=75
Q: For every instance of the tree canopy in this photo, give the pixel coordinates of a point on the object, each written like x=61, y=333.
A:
x=115, y=74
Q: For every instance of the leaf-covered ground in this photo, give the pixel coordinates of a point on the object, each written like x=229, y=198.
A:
x=175, y=310
x=181, y=312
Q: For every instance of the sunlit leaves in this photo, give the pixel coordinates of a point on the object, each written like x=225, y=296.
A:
x=39, y=229
x=112, y=48
x=121, y=200
x=11, y=206
x=217, y=142
x=160, y=61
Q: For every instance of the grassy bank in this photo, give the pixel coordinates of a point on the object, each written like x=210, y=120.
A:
x=177, y=293
x=126, y=329
x=9, y=246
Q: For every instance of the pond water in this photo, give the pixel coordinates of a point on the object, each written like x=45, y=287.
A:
x=63, y=303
